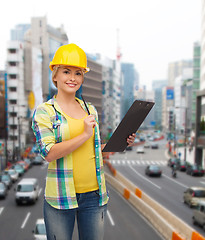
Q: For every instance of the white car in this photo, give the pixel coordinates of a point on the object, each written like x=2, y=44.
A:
x=140, y=149
x=40, y=230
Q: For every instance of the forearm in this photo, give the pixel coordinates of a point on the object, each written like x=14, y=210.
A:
x=64, y=148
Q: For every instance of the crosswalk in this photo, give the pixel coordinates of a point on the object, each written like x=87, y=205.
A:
x=138, y=162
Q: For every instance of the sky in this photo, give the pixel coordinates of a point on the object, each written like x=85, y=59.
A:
x=151, y=34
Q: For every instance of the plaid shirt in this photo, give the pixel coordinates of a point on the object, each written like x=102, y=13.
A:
x=50, y=126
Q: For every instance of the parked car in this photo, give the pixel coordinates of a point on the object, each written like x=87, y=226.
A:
x=154, y=146
x=195, y=170
x=173, y=161
x=13, y=174
x=28, y=161
x=27, y=191
x=38, y=160
x=199, y=215
x=5, y=178
x=3, y=190
x=153, y=170
x=24, y=165
x=40, y=230
x=193, y=195
x=19, y=169
x=140, y=149
x=181, y=165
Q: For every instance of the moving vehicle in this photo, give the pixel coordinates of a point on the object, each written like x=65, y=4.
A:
x=140, y=149
x=38, y=160
x=40, y=230
x=19, y=169
x=153, y=170
x=13, y=174
x=193, y=195
x=3, y=190
x=199, y=215
x=27, y=191
x=5, y=178
x=154, y=146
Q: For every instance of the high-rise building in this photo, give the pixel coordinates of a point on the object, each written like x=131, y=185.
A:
x=129, y=79
x=175, y=69
x=157, y=87
x=29, y=52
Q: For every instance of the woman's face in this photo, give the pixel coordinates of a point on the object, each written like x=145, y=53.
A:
x=69, y=79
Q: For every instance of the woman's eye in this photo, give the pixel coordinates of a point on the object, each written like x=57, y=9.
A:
x=66, y=72
x=78, y=73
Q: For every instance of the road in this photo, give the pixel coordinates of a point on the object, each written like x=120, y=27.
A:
x=123, y=221
x=165, y=190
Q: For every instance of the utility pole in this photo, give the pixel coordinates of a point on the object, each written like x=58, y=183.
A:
x=185, y=134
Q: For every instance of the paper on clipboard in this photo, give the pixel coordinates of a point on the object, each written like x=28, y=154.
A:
x=129, y=124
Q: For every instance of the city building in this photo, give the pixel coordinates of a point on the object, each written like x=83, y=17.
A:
x=29, y=52
x=175, y=69
x=157, y=86
x=128, y=84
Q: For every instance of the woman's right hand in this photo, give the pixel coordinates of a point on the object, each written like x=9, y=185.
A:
x=89, y=124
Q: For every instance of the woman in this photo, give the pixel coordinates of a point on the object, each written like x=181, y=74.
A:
x=67, y=134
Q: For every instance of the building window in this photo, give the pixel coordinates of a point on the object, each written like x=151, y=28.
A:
x=13, y=137
x=12, y=101
x=12, y=64
x=13, y=76
x=13, y=127
x=12, y=89
x=13, y=114
x=12, y=50
x=40, y=40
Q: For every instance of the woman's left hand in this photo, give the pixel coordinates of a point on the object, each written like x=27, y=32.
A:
x=131, y=139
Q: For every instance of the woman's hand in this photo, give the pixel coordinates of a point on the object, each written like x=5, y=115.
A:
x=89, y=124
x=131, y=139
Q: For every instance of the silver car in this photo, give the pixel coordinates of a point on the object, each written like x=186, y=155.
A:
x=193, y=195
x=199, y=215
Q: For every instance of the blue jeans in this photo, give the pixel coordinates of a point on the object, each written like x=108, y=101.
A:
x=90, y=219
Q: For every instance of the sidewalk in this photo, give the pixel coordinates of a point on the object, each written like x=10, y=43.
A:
x=189, y=155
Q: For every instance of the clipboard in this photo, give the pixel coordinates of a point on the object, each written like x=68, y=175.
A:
x=129, y=124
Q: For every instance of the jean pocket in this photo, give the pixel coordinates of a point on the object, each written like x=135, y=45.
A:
x=97, y=192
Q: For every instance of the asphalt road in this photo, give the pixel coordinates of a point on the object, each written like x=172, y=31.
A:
x=165, y=190
x=123, y=221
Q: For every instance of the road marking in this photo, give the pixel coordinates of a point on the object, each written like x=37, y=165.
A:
x=1, y=210
x=202, y=182
x=128, y=161
x=144, y=177
x=110, y=218
x=25, y=220
x=133, y=162
x=181, y=184
x=39, y=192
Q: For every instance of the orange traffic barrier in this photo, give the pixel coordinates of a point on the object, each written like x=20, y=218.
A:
x=126, y=193
x=138, y=192
x=175, y=236
x=197, y=236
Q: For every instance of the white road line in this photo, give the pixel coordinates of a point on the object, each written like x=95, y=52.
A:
x=113, y=161
x=145, y=178
x=25, y=220
x=133, y=162
x=138, y=162
x=128, y=161
x=1, y=210
x=39, y=192
x=123, y=161
x=110, y=218
x=181, y=184
x=202, y=182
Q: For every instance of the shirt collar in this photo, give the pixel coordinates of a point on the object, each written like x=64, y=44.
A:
x=53, y=101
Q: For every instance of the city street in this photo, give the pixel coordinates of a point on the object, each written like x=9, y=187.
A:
x=123, y=221
x=165, y=190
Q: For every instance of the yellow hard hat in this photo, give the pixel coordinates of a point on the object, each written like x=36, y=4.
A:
x=70, y=55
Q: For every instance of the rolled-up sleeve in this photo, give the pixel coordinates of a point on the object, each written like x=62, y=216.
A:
x=43, y=131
